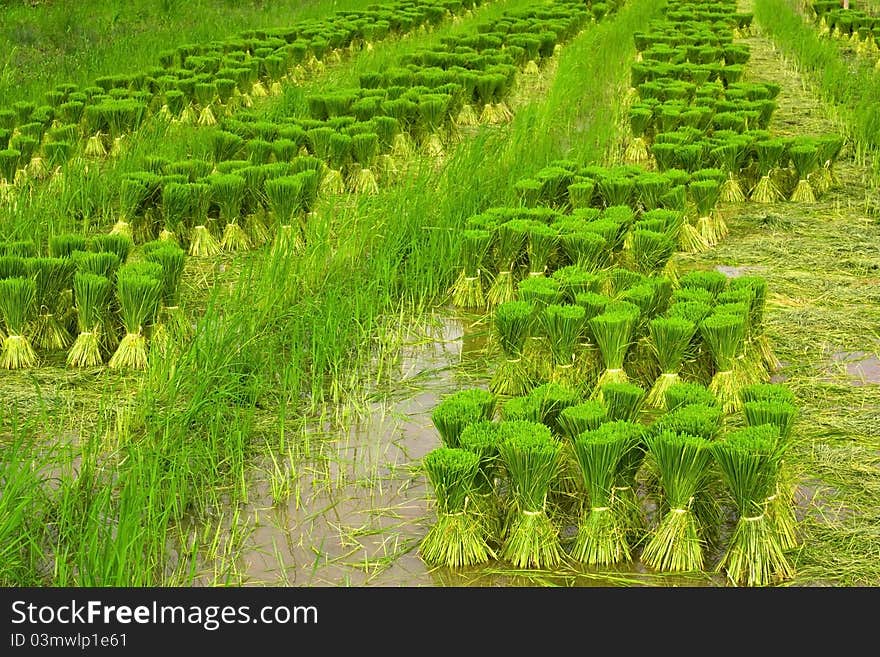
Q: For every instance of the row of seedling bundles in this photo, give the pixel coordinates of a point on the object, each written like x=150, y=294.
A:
x=619, y=485
x=88, y=298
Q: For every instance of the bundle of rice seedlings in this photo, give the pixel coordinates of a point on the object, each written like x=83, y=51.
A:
x=710, y=224
x=365, y=148
x=531, y=458
x=102, y=263
x=92, y=297
x=694, y=419
x=512, y=323
x=651, y=188
x=829, y=147
x=584, y=416
x=540, y=247
x=458, y=538
x=176, y=208
x=761, y=341
x=563, y=326
x=62, y=246
x=682, y=462
x=171, y=258
x=132, y=193
x=749, y=365
x=552, y=398
x=625, y=501
x=749, y=463
x=17, y=307
x=623, y=401
x=580, y=194
x=601, y=539
x=613, y=333
x=53, y=278
x=120, y=245
x=769, y=153
x=616, y=189
x=509, y=243
x=639, y=121
x=467, y=292
x=457, y=411
x=482, y=439
x=9, y=161
x=724, y=334
x=686, y=393
x=670, y=338
x=805, y=158
x=710, y=280
x=205, y=92
x=202, y=242
x=227, y=192
x=650, y=251
x=731, y=155
x=285, y=195
x=138, y=292
x=527, y=408
x=780, y=502
x=585, y=248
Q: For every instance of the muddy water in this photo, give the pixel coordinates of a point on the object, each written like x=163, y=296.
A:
x=360, y=504
x=859, y=367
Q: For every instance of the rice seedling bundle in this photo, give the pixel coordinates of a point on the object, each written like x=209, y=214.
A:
x=714, y=282
x=53, y=278
x=805, y=158
x=460, y=409
x=171, y=258
x=285, y=195
x=650, y=251
x=711, y=226
x=651, y=188
x=758, y=286
x=749, y=464
x=639, y=122
x=724, y=335
x=17, y=309
x=510, y=238
x=531, y=458
x=482, y=439
x=540, y=247
x=526, y=408
x=563, y=326
x=769, y=153
x=613, y=332
x=62, y=246
x=227, y=193
x=102, y=263
x=512, y=323
x=670, y=339
x=133, y=193
x=731, y=155
x=467, y=292
x=583, y=416
x=580, y=194
x=682, y=461
x=176, y=209
x=458, y=538
x=601, y=538
x=92, y=297
x=829, y=148
x=694, y=419
x=365, y=149
x=139, y=293
x=585, y=248
x=552, y=398
x=622, y=401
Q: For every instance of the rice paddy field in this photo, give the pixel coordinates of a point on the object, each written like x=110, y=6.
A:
x=440, y=293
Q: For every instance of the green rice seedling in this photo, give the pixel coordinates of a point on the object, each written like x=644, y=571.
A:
x=693, y=419
x=710, y=224
x=101, y=264
x=457, y=411
x=365, y=149
x=749, y=365
x=61, y=246
x=780, y=502
x=761, y=341
x=584, y=416
x=531, y=457
x=682, y=462
x=601, y=538
x=91, y=295
x=639, y=122
x=724, y=335
x=10, y=159
x=670, y=339
x=563, y=326
x=119, y=244
x=54, y=279
x=767, y=392
x=574, y=280
x=650, y=251
x=467, y=291
x=512, y=323
x=172, y=322
x=552, y=398
x=17, y=309
x=585, y=249
x=482, y=439
x=458, y=538
x=731, y=155
x=540, y=247
x=509, y=245
x=769, y=153
x=805, y=158
x=227, y=192
x=710, y=280
x=613, y=332
x=749, y=463
x=176, y=208
x=686, y=393
x=829, y=148
x=138, y=292
x=623, y=401
x=285, y=195
x=625, y=502
x=580, y=194
x=616, y=189
x=202, y=242
x=651, y=187
x=132, y=194
x=205, y=93
x=58, y=153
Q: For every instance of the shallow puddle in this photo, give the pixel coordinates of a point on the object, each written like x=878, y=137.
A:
x=860, y=367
